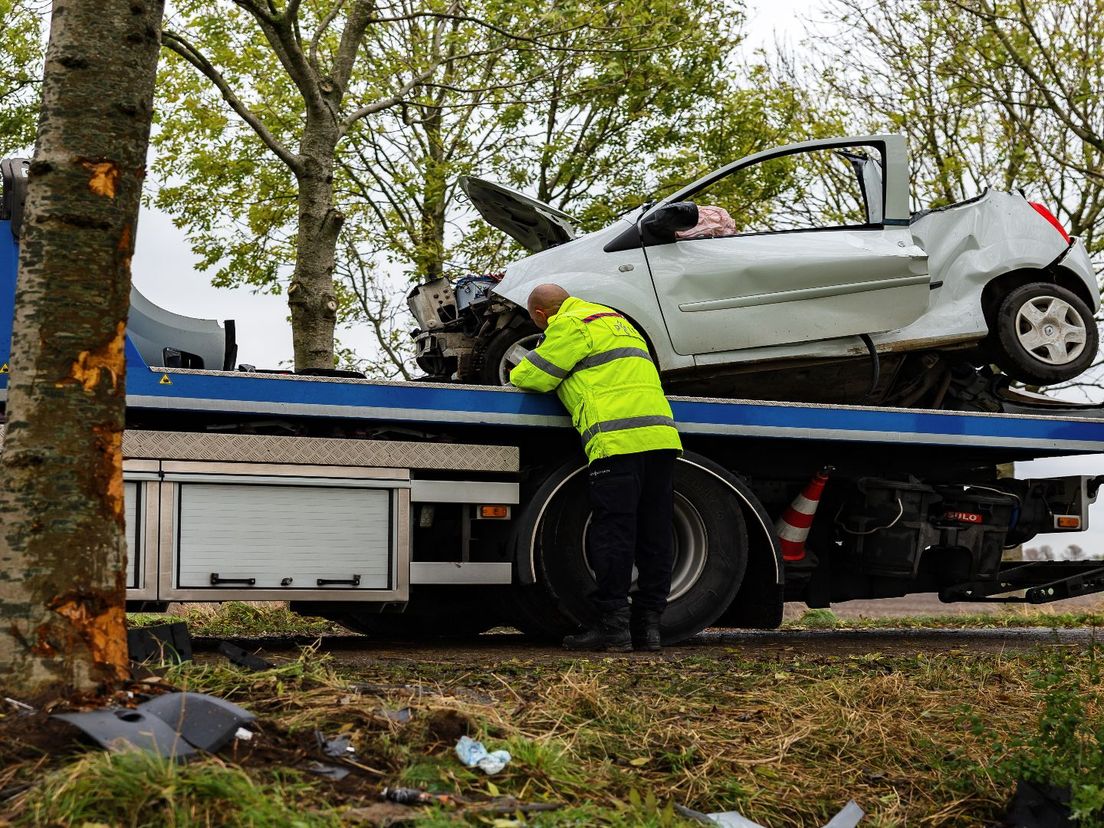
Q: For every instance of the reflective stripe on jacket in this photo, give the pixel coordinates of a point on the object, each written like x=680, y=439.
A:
x=600, y=368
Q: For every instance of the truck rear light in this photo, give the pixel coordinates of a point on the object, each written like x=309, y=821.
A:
x=1067, y=521
x=1049, y=216
x=494, y=512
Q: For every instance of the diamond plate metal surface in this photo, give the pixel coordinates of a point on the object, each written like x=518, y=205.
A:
x=319, y=451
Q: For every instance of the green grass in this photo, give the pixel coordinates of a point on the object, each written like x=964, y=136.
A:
x=140, y=790
x=1005, y=618
x=239, y=618
x=786, y=738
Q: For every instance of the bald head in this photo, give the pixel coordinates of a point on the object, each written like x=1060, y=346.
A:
x=545, y=301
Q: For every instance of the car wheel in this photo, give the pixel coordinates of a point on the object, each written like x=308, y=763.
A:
x=1044, y=334
x=710, y=553
x=506, y=349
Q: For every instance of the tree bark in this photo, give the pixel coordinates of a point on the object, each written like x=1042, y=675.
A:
x=62, y=541
x=311, y=296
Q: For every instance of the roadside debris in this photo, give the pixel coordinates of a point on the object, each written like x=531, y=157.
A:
x=331, y=772
x=242, y=658
x=848, y=817
x=163, y=642
x=339, y=747
x=473, y=754
x=415, y=796
x=174, y=725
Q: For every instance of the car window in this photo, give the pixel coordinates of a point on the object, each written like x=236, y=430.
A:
x=816, y=189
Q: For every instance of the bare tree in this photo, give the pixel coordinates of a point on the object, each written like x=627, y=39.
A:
x=62, y=548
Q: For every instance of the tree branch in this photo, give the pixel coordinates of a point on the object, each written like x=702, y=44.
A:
x=192, y=55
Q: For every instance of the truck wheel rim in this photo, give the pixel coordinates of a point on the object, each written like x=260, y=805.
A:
x=1051, y=330
x=514, y=355
x=691, y=549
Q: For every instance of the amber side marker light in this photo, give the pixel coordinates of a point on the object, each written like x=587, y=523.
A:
x=1067, y=522
x=494, y=512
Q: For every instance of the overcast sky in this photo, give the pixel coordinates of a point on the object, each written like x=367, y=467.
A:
x=164, y=270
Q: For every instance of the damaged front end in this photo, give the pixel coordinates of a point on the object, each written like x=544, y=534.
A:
x=459, y=327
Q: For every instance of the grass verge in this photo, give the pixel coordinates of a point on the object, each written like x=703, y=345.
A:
x=240, y=619
x=785, y=738
x=1006, y=618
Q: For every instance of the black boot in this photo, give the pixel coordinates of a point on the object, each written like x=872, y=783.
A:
x=610, y=634
x=645, y=630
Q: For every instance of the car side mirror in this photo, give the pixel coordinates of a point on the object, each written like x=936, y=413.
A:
x=657, y=227
x=660, y=225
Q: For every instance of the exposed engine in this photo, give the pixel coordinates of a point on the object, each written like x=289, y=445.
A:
x=462, y=327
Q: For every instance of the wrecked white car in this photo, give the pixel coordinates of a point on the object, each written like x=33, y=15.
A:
x=823, y=286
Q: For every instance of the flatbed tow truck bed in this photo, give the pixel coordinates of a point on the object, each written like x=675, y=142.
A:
x=434, y=509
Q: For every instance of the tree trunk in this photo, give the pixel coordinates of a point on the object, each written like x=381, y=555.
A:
x=62, y=541
x=429, y=255
x=311, y=292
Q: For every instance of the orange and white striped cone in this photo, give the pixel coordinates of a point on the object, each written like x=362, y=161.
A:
x=793, y=526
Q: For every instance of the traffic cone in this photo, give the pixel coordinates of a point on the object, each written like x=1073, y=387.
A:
x=793, y=526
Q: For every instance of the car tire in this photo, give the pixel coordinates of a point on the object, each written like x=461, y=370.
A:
x=1044, y=334
x=505, y=350
x=711, y=551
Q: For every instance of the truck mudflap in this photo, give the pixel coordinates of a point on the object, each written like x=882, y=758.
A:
x=1037, y=582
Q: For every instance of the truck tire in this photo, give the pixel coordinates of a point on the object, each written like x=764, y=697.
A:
x=505, y=350
x=710, y=554
x=1044, y=334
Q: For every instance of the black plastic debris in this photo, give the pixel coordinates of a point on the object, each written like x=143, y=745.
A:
x=173, y=725
x=339, y=747
x=243, y=658
x=331, y=772
x=204, y=721
x=402, y=715
x=1039, y=806
x=125, y=729
x=164, y=642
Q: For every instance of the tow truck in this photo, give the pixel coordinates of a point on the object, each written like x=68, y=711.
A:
x=421, y=508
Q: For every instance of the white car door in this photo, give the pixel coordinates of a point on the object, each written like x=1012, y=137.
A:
x=814, y=256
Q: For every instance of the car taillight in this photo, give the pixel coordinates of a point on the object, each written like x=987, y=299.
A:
x=1049, y=216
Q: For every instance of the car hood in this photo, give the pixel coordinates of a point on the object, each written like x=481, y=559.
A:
x=535, y=225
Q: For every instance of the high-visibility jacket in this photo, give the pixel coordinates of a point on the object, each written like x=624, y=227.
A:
x=600, y=368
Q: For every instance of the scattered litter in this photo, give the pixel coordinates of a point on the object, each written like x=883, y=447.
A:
x=18, y=705
x=163, y=642
x=473, y=754
x=243, y=735
x=1035, y=805
x=848, y=817
x=172, y=725
x=339, y=747
x=124, y=729
x=732, y=819
x=204, y=721
x=402, y=715
x=242, y=658
x=415, y=796
x=332, y=772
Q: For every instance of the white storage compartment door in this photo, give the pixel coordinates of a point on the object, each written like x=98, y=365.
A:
x=275, y=536
x=133, y=527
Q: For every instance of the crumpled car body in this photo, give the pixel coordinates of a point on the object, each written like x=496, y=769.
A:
x=823, y=288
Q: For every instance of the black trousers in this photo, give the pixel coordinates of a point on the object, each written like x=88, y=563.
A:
x=632, y=502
